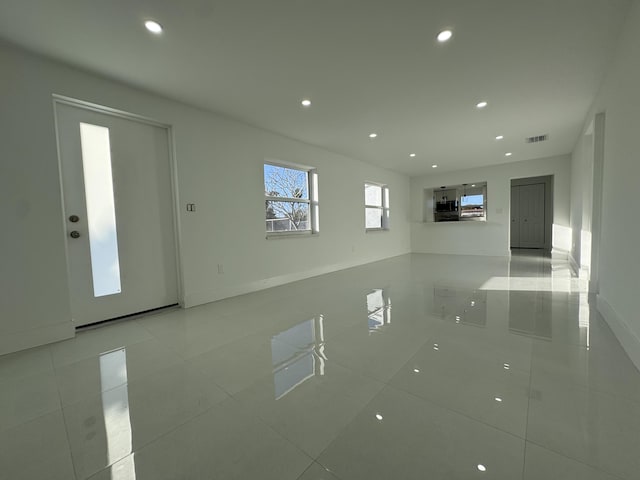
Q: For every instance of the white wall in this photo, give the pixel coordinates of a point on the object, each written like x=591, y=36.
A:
x=490, y=237
x=582, y=191
x=619, y=257
x=219, y=168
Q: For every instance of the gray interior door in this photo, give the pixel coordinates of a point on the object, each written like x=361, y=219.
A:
x=528, y=216
x=515, y=217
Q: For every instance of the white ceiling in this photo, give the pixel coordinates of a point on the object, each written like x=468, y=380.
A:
x=367, y=65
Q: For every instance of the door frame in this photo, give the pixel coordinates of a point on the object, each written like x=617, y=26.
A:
x=173, y=172
x=548, y=181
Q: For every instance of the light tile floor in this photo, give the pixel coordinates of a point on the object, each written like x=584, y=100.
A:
x=438, y=367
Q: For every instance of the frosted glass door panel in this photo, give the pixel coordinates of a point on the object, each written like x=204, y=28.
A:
x=101, y=213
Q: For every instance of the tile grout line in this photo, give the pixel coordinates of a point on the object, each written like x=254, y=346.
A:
x=572, y=459
x=64, y=418
x=526, y=426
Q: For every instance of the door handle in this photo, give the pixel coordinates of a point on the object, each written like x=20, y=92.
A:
x=74, y=234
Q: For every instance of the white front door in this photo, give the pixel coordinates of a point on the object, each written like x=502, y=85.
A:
x=118, y=206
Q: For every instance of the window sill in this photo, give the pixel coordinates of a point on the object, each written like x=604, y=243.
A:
x=282, y=235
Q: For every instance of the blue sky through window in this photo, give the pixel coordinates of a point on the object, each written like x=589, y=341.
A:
x=285, y=182
x=467, y=200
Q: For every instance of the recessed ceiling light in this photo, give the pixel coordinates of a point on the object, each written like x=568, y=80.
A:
x=473, y=184
x=499, y=137
x=412, y=155
x=482, y=468
x=498, y=399
x=373, y=135
x=508, y=154
x=481, y=104
x=445, y=35
x=306, y=102
x=378, y=416
x=153, y=27
x=434, y=166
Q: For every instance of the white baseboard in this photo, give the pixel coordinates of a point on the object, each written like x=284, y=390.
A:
x=207, y=296
x=627, y=338
x=14, y=342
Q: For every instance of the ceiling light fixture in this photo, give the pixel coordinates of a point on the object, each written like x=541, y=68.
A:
x=306, y=102
x=412, y=155
x=445, y=36
x=499, y=137
x=481, y=104
x=508, y=154
x=153, y=27
x=434, y=166
x=373, y=135
x=482, y=468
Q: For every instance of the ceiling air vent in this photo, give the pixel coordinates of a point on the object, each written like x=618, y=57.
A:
x=537, y=139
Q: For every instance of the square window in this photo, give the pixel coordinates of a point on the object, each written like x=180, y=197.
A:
x=291, y=204
x=472, y=206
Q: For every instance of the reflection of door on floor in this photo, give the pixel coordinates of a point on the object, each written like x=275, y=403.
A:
x=118, y=205
x=528, y=216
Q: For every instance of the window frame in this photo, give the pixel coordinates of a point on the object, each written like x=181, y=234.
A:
x=312, y=200
x=384, y=208
x=475, y=218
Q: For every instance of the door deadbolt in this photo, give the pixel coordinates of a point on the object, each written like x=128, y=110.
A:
x=74, y=218
x=74, y=234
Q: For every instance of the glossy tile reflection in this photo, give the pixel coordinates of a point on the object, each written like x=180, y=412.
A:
x=297, y=354
x=115, y=404
x=461, y=305
x=378, y=310
x=479, y=367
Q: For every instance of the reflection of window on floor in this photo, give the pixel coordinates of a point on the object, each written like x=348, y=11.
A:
x=297, y=354
x=378, y=310
x=583, y=319
x=464, y=306
x=115, y=407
